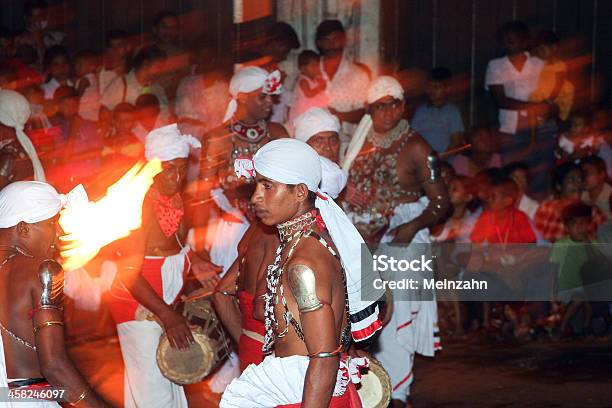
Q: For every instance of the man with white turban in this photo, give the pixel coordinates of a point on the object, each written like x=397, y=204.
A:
x=150, y=290
x=314, y=288
x=31, y=317
x=14, y=113
x=245, y=129
x=395, y=192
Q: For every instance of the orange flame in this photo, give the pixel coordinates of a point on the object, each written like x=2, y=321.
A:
x=90, y=226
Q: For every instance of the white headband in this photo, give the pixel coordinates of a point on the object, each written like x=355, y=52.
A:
x=167, y=143
x=249, y=80
x=385, y=86
x=313, y=121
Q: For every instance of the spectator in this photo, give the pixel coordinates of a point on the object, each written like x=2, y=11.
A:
x=140, y=80
x=597, y=191
x=121, y=143
x=483, y=181
x=166, y=33
x=438, y=120
x=116, y=55
x=519, y=173
x=552, y=84
x=147, y=116
x=57, y=70
x=570, y=254
x=310, y=90
x=481, y=156
x=581, y=140
x=510, y=80
x=447, y=172
x=460, y=224
x=87, y=87
x=569, y=185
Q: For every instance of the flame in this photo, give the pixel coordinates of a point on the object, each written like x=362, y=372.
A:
x=89, y=226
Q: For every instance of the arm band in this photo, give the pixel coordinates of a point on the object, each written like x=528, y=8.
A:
x=48, y=323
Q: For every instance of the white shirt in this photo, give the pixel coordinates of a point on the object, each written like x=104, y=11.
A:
x=517, y=85
x=51, y=86
x=119, y=91
x=529, y=206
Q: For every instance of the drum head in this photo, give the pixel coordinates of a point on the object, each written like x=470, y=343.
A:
x=187, y=366
x=375, y=389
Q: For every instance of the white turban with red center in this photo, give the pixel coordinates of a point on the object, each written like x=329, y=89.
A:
x=290, y=161
x=249, y=80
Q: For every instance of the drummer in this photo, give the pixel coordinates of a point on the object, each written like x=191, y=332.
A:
x=160, y=262
x=306, y=310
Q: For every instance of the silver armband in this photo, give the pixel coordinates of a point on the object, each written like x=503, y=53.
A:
x=433, y=164
x=49, y=273
x=303, y=285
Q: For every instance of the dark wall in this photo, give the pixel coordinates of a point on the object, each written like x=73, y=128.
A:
x=461, y=35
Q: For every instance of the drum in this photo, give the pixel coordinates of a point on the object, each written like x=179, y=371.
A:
x=212, y=345
x=375, y=388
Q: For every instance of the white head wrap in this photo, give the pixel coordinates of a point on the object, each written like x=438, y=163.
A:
x=167, y=143
x=313, y=121
x=291, y=161
x=248, y=80
x=379, y=88
x=15, y=112
x=34, y=201
x=385, y=86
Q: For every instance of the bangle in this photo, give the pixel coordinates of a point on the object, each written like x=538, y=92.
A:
x=47, y=324
x=81, y=398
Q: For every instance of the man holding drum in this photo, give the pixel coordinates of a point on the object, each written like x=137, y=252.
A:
x=313, y=288
x=147, y=293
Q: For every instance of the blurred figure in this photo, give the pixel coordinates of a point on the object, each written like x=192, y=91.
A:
x=86, y=84
x=597, y=190
x=147, y=116
x=116, y=56
x=581, y=140
x=58, y=70
x=310, y=89
x=438, y=120
x=120, y=142
x=481, y=156
x=519, y=173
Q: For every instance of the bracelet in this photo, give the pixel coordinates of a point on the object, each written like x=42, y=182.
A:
x=81, y=398
x=47, y=324
x=327, y=354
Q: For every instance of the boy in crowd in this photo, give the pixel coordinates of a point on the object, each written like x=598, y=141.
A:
x=597, y=191
x=438, y=120
x=57, y=69
x=86, y=84
x=482, y=154
x=519, y=173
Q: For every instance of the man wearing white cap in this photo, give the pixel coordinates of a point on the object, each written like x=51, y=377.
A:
x=32, y=350
x=314, y=299
x=245, y=129
x=157, y=284
x=394, y=194
x=18, y=157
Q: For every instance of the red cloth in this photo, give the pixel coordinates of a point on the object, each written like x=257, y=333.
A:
x=249, y=350
x=168, y=210
x=350, y=399
x=513, y=227
x=549, y=222
x=122, y=305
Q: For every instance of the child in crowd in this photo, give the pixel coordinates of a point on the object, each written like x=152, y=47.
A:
x=438, y=120
x=569, y=185
x=121, y=143
x=482, y=155
x=553, y=84
x=570, y=254
x=597, y=191
x=519, y=173
x=86, y=64
x=580, y=141
x=57, y=69
x=458, y=227
x=310, y=89
x=482, y=185
x=447, y=172
x=147, y=116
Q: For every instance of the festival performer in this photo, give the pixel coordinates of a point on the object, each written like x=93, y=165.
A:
x=32, y=349
x=246, y=127
x=313, y=300
x=394, y=194
x=319, y=129
x=147, y=294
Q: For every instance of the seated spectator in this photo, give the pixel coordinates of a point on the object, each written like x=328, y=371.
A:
x=147, y=116
x=438, y=120
x=519, y=173
x=86, y=84
x=139, y=81
x=552, y=84
x=481, y=156
x=570, y=254
x=569, y=186
x=597, y=191
x=57, y=70
x=310, y=89
x=116, y=55
x=447, y=172
x=121, y=143
x=459, y=226
x=580, y=141
x=483, y=180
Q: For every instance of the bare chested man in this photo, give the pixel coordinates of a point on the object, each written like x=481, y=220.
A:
x=32, y=348
x=395, y=192
x=308, y=293
x=157, y=281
